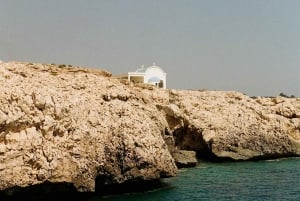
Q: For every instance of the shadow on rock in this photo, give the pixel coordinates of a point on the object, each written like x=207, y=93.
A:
x=65, y=191
x=44, y=192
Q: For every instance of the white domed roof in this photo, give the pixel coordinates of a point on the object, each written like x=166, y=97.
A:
x=154, y=67
x=154, y=75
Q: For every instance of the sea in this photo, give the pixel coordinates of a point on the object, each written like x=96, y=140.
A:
x=260, y=180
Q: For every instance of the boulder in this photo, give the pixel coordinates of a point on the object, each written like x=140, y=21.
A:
x=185, y=159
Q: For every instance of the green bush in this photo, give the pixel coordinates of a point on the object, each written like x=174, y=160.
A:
x=62, y=66
x=286, y=96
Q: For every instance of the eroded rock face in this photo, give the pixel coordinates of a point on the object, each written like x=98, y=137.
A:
x=61, y=124
x=184, y=158
x=231, y=125
x=76, y=125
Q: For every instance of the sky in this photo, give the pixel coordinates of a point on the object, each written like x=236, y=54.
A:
x=250, y=46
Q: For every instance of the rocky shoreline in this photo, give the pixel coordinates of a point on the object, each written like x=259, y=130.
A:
x=79, y=126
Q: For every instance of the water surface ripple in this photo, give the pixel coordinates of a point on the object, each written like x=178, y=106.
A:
x=263, y=180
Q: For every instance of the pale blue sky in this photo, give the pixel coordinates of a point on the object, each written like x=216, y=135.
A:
x=251, y=46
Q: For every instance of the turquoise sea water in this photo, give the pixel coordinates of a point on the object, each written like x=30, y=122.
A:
x=262, y=180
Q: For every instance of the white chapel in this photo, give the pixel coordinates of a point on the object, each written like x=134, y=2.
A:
x=151, y=75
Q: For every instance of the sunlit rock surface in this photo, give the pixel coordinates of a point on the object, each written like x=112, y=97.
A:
x=76, y=125
x=82, y=127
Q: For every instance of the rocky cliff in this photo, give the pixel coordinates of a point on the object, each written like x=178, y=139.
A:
x=230, y=125
x=81, y=126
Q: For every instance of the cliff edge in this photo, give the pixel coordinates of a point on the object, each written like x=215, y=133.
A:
x=233, y=126
x=76, y=125
x=63, y=124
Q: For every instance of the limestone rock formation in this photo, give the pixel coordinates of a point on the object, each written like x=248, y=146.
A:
x=78, y=126
x=184, y=158
x=230, y=125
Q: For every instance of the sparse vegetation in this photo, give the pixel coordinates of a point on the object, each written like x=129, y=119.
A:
x=202, y=90
x=286, y=96
x=281, y=94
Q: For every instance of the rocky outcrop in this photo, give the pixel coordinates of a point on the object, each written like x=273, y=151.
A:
x=231, y=125
x=82, y=127
x=185, y=159
x=61, y=124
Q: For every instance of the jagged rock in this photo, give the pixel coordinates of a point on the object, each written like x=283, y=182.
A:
x=184, y=158
x=231, y=125
x=78, y=126
x=173, y=116
x=57, y=125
